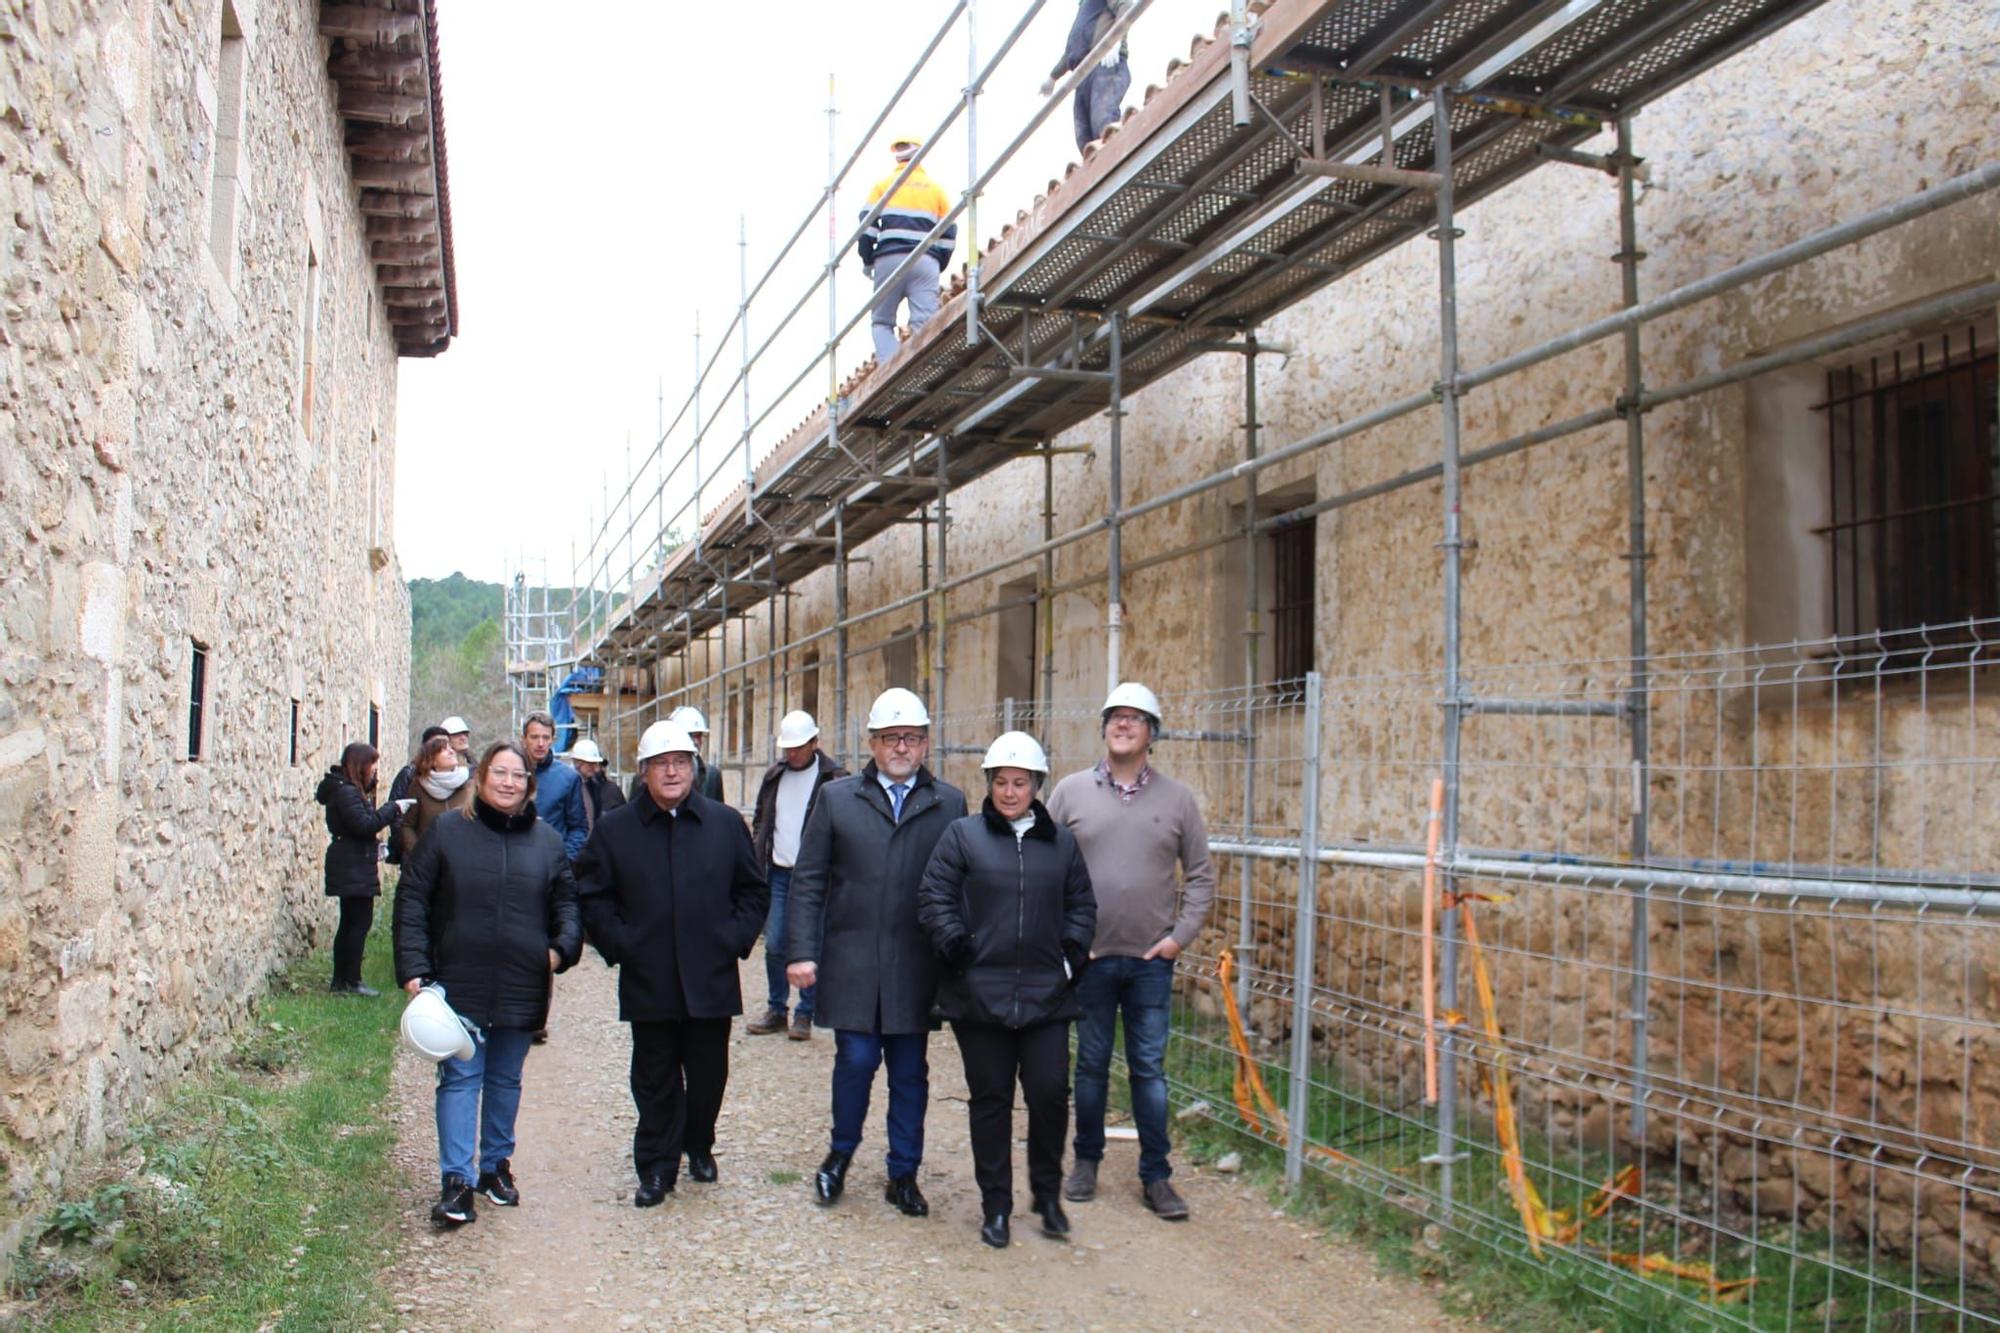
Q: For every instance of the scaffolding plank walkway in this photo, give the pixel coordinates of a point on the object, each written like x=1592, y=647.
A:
x=1189, y=230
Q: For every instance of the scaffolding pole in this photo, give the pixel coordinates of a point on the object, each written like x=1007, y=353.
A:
x=1114, y=605
x=1246, y=935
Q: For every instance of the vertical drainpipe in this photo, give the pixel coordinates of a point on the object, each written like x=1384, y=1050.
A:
x=1046, y=601
x=1239, y=63
x=1447, y=1155
x=1629, y=256
x=840, y=627
x=1246, y=938
x=941, y=658
x=1114, y=596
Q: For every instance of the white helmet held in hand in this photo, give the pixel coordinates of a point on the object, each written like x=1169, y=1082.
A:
x=1131, y=694
x=897, y=707
x=664, y=738
x=433, y=1028
x=689, y=720
x=586, y=750
x=796, y=728
x=1015, y=749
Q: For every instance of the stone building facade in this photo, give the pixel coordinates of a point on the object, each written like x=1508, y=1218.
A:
x=199, y=596
x=1851, y=108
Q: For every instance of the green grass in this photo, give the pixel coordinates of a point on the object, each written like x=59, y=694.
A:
x=1480, y=1264
x=261, y=1195
x=786, y=1177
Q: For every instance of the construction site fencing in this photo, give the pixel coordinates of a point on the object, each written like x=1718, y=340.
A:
x=1751, y=1079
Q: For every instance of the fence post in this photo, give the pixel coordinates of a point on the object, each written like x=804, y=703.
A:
x=1007, y=713
x=1305, y=930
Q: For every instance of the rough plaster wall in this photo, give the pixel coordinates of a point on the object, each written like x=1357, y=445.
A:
x=158, y=488
x=1855, y=106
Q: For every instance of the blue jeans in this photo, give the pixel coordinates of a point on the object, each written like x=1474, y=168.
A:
x=1143, y=991
x=856, y=1056
x=471, y=1124
x=774, y=946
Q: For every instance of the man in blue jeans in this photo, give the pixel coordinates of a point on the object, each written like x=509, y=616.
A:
x=785, y=799
x=1136, y=827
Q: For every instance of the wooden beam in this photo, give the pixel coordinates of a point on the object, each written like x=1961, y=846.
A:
x=401, y=229
x=402, y=176
x=402, y=252
x=380, y=142
x=381, y=108
x=372, y=64
x=388, y=204
x=380, y=26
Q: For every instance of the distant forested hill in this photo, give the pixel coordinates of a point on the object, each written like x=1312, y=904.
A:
x=457, y=661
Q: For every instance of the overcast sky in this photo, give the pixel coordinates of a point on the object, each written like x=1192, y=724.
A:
x=596, y=184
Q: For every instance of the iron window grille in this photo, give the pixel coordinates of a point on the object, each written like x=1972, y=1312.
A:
x=1292, y=601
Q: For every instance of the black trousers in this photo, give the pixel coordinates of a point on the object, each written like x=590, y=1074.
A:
x=350, y=938
x=679, y=1070
x=995, y=1058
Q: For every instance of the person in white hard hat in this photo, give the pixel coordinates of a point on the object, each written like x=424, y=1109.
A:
x=1140, y=831
x=1006, y=901
x=599, y=793
x=487, y=910
x=707, y=777
x=853, y=931
x=785, y=799
x=673, y=897
x=460, y=735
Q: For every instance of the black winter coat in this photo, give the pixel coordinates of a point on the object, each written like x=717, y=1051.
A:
x=853, y=902
x=353, y=858
x=481, y=902
x=1002, y=913
x=673, y=901
x=398, y=789
x=600, y=797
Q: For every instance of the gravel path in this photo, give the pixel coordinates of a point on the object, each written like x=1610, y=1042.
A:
x=754, y=1250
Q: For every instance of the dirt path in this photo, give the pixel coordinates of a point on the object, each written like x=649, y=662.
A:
x=754, y=1250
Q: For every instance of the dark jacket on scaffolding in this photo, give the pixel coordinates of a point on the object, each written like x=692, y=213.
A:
x=1011, y=918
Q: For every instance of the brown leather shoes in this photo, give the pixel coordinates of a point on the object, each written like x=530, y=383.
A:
x=802, y=1028
x=764, y=1024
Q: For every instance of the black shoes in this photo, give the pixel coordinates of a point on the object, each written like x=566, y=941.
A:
x=701, y=1167
x=1081, y=1187
x=831, y=1178
x=909, y=1200
x=1055, y=1222
x=498, y=1185
x=653, y=1190
x=1164, y=1200
x=454, y=1206
x=994, y=1231
x=354, y=988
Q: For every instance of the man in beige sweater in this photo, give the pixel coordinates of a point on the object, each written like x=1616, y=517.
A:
x=1135, y=826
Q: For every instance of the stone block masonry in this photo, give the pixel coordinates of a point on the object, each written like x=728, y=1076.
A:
x=198, y=405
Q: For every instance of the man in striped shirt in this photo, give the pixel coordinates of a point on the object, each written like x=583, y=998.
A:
x=907, y=217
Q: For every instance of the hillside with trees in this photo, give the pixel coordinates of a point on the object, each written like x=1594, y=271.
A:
x=457, y=660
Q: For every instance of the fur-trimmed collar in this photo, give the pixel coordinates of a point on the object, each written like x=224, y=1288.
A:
x=1045, y=824
x=501, y=822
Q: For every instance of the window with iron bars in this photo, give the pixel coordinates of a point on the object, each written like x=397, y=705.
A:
x=1914, y=534
x=1292, y=600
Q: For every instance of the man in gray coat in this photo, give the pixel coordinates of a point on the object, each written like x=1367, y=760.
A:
x=854, y=933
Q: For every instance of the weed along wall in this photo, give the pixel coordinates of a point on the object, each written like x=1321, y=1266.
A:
x=201, y=603
x=1822, y=1060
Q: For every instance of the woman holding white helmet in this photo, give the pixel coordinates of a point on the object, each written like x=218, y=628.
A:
x=487, y=910
x=1007, y=903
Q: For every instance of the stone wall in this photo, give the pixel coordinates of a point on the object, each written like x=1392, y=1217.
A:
x=162, y=486
x=1852, y=107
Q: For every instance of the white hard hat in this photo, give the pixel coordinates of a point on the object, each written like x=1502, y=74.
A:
x=796, y=728
x=664, y=738
x=1015, y=749
x=586, y=750
x=454, y=725
x=689, y=720
x=897, y=707
x=1131, y=694
x=433, y=1029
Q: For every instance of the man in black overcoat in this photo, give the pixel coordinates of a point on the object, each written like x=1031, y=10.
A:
x=673, y=896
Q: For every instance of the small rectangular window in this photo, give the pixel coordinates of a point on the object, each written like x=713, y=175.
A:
x=197, y=698
x=1292, y=601
x=1014, y=673
x=746, y=717
x=309, y=341
x=294, y=751
x=809, y=685
x=899, y=664
x=374, y=726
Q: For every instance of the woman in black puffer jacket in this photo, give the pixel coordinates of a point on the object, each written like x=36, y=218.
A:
x=353, y=858
x=487, y=910
x=1007, y=904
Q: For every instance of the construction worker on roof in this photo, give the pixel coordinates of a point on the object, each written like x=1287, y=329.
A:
x=1101, y=95
x=906, y=219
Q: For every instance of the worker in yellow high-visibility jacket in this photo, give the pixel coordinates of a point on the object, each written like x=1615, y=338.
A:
x=897, y=231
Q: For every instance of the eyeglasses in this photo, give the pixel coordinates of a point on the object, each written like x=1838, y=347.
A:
x=676, y=762
x=901, y=740
x=514, y=776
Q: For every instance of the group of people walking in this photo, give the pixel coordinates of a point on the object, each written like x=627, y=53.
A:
x=885, y=902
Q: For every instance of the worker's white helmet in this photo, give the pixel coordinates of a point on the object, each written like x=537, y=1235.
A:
x=664, y=738
x=1131, y=694
x=1016, y=749
x=586, y=750
x=689, y=720
x=433, y=1029
x=905, y=146
x=454, y=726
x=796, y=728
x=897, y=707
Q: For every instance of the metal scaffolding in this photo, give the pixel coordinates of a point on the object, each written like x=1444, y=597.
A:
x=1320, y=135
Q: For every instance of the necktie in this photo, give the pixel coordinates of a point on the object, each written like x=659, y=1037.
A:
x=897, y=791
